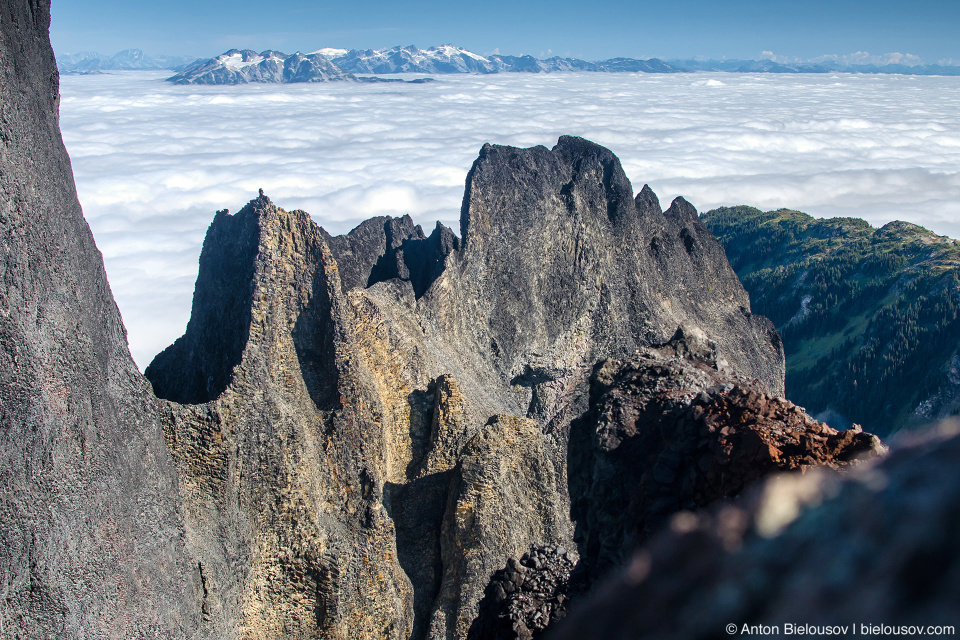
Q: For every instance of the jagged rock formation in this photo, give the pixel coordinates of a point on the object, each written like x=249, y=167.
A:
x=876, y=547
x=354, y=432
x=90, y=519
x=406, y=400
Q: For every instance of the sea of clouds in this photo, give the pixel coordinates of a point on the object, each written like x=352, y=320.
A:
x=153, y=161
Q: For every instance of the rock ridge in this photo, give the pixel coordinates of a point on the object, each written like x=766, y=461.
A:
x=372, y=382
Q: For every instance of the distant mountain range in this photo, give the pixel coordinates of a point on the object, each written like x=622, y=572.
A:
x=240, y=66
x=324, y=65
x=128, y=59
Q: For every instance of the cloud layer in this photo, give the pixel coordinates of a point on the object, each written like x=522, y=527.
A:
x=154, y=161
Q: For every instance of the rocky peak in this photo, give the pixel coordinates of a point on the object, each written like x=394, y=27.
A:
x=559, y=250
x=353, y=432
x=647, y=203
x=220, y=317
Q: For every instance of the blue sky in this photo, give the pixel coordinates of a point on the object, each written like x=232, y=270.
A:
x=802, y=29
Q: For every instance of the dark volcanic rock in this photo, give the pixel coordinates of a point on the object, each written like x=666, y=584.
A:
x=522, y=600
x=93, y=542
x=668, y=432
x=874, y=547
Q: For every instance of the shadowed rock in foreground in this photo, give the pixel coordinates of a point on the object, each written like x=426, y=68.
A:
x=666, y=432
x=876, y=547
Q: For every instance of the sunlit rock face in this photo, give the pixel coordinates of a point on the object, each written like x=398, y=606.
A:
x=367, y=426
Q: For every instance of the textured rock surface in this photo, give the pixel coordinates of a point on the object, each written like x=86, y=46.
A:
x=93, y=538
x=525, y=598
x=877, y=546
x=409, y=398
x=505, y=494
x=668, y=432
x=283, y=479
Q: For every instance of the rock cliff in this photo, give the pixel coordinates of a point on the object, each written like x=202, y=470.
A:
x=367, y=426
x=93, y=533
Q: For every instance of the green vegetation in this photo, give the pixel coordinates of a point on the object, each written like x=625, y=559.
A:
x=869, y=317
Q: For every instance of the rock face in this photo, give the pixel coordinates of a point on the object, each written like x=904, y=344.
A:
x=877, y=547
x=93, y=533
x=367, y=426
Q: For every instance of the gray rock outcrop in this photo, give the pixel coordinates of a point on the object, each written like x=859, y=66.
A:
x=94, y=541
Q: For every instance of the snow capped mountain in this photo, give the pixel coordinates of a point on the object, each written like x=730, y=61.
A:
x=410, y=59
x=451, y=59
x=328, y=52
x=242, y=66
x=333, y=64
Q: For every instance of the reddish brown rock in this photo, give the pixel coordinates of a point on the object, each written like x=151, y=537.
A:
x=668, y=432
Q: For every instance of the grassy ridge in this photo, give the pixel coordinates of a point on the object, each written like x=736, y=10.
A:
x=869, y=317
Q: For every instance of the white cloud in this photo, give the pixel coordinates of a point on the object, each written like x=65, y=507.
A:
x=154, y=161
x=862, y=57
